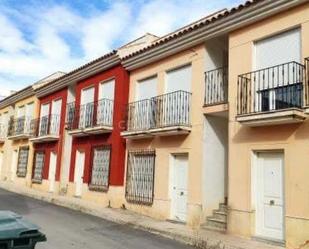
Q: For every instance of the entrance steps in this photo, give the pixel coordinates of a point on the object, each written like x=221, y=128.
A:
x=218, y=220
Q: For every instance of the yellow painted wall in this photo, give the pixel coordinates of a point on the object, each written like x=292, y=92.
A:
x=10, y=145
x=292, y=139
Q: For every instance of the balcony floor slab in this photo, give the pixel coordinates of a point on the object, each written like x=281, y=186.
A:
x=91, y=131
x=19, y=137
x=136, y=134
x=277, y=117
x=171, y=130
x=43, y=139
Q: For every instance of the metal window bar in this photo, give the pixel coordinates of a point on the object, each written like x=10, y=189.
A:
x=99, y=180
x=90, y=115
x=216, y=86
x=39, y=158
x=307, y=81
x=270, y=89
x=140, y=177
x=22, y=161
x=171, y=109
x=20, y=126
x=46, y=125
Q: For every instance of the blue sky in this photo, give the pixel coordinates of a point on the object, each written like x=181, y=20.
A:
x=41, y=37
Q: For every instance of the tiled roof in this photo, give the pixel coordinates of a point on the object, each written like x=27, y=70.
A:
x=194, y=26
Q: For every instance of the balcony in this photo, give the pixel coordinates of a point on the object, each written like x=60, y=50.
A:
x=46, y=129
x=271, y=96
x=3, y=133
x=91, y=118
x=216, y=90
x=307, y=85
x=164, y=115
x=20, y=128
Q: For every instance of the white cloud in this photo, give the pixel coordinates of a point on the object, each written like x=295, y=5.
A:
x=12, y=39
x=101, y=31
x=47, y=49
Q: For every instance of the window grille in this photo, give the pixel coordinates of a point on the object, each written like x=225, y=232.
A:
x=38, y=166
x=100, y=168
x=140, y=177
x=22, y=161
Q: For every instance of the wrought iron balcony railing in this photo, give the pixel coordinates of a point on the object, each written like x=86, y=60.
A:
x=20, y=126
x=46, y=126
x=90, y=115
x=307, y=82
x=271, y=89
x=167, y=110
x=216, y=86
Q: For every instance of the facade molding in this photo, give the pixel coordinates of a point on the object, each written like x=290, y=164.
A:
x=219, y=26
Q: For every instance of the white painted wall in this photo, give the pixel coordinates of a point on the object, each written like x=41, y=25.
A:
x=215, y=160
x=67, y=148
x=216, y=53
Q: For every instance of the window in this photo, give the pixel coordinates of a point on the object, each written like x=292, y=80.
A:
x=22, y=161
x=38, y=166
x=140, y=177
x=100, y=168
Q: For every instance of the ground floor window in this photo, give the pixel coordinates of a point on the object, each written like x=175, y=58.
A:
x=100, y=168
x=22, y=161
x=39, y=157
x=140, y=176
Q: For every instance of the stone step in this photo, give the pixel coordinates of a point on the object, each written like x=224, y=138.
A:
x=223, y=207
x=211, y=228
x=216, y=223
x=220, y=215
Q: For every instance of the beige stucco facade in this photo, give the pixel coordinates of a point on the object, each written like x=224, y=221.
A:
x=291, y=139
x=167, y=146
x=12, y=146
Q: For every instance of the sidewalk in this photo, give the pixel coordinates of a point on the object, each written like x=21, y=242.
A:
x=200, y=238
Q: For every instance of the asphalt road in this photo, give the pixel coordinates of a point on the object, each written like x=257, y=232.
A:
x=67, y=228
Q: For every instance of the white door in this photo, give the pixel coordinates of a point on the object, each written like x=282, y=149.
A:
x=179, y=191
x=79, y=172
x=1, y=162
x=106, y=102
x=86, y=107
x=52, y=171
x=270, y=196
x=44, y=119
x=14, y=164
x=55, y=117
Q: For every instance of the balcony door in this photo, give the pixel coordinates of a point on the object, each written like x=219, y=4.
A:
x=86, y=110
x=142, y=110
x=174, y=107
x=55, y=117
x=20, y=121
x=106, y=103
x=278, y=87
x=44, y=120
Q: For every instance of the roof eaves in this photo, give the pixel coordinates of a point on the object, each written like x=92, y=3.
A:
x=102, y=63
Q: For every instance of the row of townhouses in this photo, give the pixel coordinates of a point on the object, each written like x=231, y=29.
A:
x=207, y=125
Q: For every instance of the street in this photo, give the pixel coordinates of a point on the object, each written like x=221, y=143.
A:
x=67, y=228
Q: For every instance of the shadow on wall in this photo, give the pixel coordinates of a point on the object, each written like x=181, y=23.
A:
x=275, y=133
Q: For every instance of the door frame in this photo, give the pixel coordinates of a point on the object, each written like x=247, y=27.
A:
x=79, y=152
x=52, y=181
x=172, y=159
x=254, y=187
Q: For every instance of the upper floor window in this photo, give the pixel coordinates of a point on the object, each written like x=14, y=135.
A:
x=146, y=89
x=179, y=79
x=278, y=49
